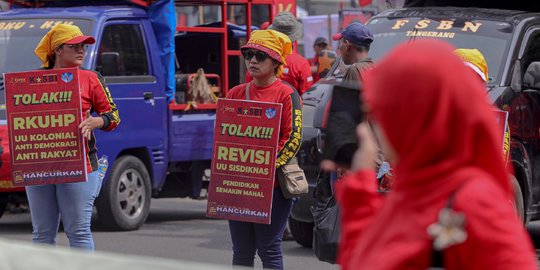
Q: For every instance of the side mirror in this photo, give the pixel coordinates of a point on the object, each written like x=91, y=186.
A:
x=516, y=83
x=110, y=64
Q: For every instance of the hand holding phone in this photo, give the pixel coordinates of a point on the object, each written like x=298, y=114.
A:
x=344, y=115
x=366, y=154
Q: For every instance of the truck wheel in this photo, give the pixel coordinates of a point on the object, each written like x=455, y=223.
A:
x=302, y=232
x=518, y=201
x=124, y=202
x=3, y=203
x=2, y=208
x=200, y=179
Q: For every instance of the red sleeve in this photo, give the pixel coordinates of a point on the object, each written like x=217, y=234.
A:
x=103, y=104
x=290, y=134
x=359, y=201
x=306, y=79
x=495, y=237
x=237, y=92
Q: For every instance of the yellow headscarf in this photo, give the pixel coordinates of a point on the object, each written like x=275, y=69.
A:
x=275, y=44
x=474, y=59
x=58, y=35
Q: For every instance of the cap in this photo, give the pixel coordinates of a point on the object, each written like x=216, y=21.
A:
x=277, y=45
x=474, y=59
x=320, y=40
x=81, y=39
x=58, y=35
x=355, y=33
x=286, y=23
x=264, y=25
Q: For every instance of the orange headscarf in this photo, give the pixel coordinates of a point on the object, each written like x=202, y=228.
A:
x=275, y=44
x=58, y=35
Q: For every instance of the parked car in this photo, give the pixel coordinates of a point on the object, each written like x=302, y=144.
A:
x=510, y=42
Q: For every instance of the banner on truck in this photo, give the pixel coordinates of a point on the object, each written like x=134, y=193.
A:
x=244, y=160
x=43, y=113
x=504, y=131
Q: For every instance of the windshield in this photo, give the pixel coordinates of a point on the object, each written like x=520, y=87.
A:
x=19, y=38
x=492, y=38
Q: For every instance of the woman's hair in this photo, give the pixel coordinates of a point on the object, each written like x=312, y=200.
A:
x=276, y=69
x=51, y=59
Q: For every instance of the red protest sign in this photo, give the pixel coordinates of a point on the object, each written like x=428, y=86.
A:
x=43, y=113
x=244, y=160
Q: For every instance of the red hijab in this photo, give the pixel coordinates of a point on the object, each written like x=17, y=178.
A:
x=437, y=117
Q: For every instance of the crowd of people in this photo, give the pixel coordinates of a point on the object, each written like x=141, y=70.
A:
x=449, y=205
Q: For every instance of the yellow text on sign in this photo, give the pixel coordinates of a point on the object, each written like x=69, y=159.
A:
x=243, y=155
x=43, y=121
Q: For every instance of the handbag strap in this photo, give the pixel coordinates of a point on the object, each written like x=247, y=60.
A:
x=247, y=90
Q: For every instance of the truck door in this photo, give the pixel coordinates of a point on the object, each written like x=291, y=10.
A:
x=132, y=74
x=529, y=104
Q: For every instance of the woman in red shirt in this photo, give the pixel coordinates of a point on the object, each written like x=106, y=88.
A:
x=450, y=205
x=64, y=46
x=265, y=54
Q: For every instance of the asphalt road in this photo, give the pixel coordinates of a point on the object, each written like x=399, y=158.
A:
x=178, y=229
x=175, y=229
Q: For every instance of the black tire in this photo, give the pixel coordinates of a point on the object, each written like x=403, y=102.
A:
x=200, y=177
x=302, y=232
x=124, y=201
x=518, y=201
x=3, y=203
x=2, y=208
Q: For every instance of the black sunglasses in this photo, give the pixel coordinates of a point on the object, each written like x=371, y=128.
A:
x=259, y=55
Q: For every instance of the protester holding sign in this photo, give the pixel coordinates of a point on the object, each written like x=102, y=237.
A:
x=451, y=202
x=265, y=54
x=64, y=47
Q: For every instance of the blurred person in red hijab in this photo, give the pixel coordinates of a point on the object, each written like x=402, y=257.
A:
x=451, y=201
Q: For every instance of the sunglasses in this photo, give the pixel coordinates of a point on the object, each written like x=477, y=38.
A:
x=77, y=47
x=259, y=55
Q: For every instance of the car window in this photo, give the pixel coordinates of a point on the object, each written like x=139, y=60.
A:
x=18, y=39
x=122, y=51
x=492, y=38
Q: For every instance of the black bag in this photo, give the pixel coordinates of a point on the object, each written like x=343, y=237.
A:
x=326, y=230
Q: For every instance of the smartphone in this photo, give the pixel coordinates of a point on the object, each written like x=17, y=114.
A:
x=344, y=114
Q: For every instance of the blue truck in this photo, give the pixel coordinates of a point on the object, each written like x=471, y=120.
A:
x=160, y=149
